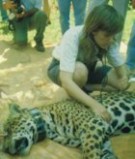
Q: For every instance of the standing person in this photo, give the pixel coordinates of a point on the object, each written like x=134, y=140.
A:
x=4, y=15
x=120, y=5
x=77, y=60
x=131, y=49
x=31, y=16
x=79, y=7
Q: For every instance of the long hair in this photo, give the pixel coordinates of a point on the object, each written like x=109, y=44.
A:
x=102, y=18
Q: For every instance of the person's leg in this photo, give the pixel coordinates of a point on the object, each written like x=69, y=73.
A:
x=79, y=11
x=130, y=61
x=113, y=80
x=93, y=3
x=104, y=78
x=3, y=12
x=98, y=79
x=39, y=21
x=64, y=8
x=53, y=71
x=20, y=31
x=121, y=6
x=80, y=74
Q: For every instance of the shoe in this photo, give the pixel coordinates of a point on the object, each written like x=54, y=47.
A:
x=40, y=47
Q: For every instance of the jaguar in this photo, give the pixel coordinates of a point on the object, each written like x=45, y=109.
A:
x=70, y=123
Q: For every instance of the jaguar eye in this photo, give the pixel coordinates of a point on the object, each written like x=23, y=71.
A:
x=21, y=144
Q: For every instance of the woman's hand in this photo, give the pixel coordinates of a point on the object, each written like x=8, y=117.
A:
x=75, y=92
x=101, y=111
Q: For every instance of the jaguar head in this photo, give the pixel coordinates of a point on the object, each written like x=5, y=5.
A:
x=19, y=131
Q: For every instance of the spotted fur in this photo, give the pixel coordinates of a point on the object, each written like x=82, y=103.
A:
x=71, y=123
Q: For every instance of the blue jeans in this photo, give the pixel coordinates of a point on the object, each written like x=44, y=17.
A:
x=3, y=12
x=119, y=5
x=131, y=49
x=79, y=7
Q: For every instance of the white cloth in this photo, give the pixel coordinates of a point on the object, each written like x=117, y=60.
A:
x=66, y=52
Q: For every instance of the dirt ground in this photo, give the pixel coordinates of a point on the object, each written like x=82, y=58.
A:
x=23, y=80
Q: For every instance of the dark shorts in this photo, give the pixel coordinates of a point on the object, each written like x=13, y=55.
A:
x=94, y=76
x=53, y=71
x=97, y=76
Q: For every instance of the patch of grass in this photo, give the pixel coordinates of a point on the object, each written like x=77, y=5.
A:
x=53, y=31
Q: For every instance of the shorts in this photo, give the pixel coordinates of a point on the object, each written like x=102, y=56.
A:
x=53, y=71
x=94, y=76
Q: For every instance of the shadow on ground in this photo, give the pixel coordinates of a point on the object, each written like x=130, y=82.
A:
x=23, y=80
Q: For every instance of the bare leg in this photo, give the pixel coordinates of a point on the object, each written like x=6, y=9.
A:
x=80, y=75
x=115, y=82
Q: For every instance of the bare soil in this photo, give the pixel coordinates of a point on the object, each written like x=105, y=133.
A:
x=23, y=80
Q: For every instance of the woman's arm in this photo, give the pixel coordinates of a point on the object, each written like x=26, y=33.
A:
x=122, y=75
x=76, y=92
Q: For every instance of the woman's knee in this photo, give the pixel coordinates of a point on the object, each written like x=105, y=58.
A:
x=80, y=75
x=113, y=80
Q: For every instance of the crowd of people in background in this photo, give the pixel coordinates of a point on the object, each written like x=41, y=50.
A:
x=23, y=16
x=79, y=13
x=81, y=10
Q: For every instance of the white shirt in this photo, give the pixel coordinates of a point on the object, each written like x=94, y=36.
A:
x=66, y=52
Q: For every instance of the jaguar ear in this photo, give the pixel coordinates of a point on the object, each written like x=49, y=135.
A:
x=14, y=109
